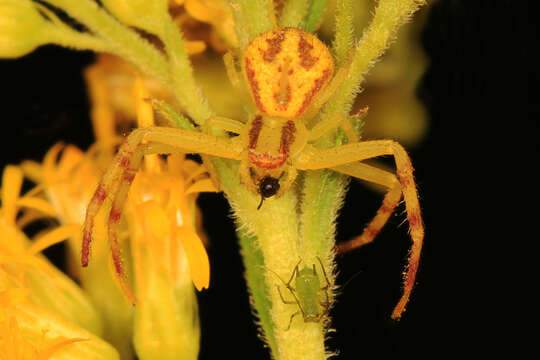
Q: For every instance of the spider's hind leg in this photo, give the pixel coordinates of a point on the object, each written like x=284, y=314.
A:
x=345, y=159
x=389, y=203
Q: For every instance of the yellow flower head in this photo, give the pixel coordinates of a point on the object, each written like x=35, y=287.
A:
x=42, y=312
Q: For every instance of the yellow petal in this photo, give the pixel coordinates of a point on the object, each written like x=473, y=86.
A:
x=36, y=204
x=11, y=188
x=156, y=219
x=204, y=185
x=101, y=113
x=13, y=296
x=29, y=217
x=27, y=260
x=193, y=169
x=57, y=345
x=53, y=237
x=177, y=163
x=202, y=12
x=199, y=265
x=194, y=47
x=71, y=157
x=32, y=170
x=49, y=162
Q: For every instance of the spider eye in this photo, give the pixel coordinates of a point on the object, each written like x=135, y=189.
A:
x=268, y=186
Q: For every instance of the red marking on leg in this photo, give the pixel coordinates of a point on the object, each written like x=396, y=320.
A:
x=117, y=260
x=101, y=194
x=414, y=218
x=371, y=232
x=129, y=175
x=386, y=208
x=124, y=161
x=115, y=215
x=404, y=178
x=85, y=252
x=410, y=275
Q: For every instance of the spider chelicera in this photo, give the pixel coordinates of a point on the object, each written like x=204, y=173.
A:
x=289, y=75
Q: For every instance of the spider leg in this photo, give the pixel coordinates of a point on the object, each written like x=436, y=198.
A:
x=118, y=178
x=235, y=79
x=327, y=92
x=289, y=177
x=223, y=123
x=389, y=203
x=348, y=153
x=331, y=122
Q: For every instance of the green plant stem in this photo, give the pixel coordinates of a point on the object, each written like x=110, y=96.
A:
x=275, y=226
x=389, y=15
x=127, y=44
x=260, y=299
x=293, y=13
x=252, y=18
x=123, y=41
x=344, y=36
x=67, y=37
x=183, y=81
x=314, y=15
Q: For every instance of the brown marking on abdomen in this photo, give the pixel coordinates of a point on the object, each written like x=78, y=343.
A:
x=254, y=132
x=250, y=74
x=288, y=132
x=304, y=49
x=314, y=90
x=274, y=47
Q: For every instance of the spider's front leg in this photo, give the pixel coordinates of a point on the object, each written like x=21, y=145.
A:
x=119, y=176
x=341, y=158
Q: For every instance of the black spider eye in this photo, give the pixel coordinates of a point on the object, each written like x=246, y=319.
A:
x=268, y=186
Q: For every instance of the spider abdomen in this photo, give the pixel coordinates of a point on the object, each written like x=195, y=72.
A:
x=285, y=69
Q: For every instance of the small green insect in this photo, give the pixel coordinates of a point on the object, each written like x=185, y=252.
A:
x=307, y=293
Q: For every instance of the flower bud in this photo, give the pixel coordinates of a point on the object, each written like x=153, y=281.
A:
x=142, y=14
x=21, y=28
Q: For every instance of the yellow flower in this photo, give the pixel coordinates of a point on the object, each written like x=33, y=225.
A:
x=219, y=33
x=42, y=312
x=160, y=238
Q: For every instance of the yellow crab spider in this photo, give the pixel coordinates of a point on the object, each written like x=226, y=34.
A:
x=288, y=73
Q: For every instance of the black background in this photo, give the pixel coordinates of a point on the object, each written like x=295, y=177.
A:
x=471, y=168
